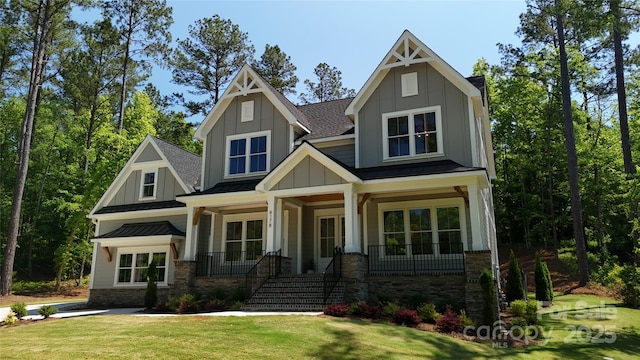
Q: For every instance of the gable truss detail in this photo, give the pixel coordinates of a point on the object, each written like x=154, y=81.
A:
x=406, y=53
x=243, y=84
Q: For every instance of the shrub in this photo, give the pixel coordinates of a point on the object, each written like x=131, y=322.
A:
x=239, y=294
x=518, y=308
x=151, y=295
x=187, y=304
x=390, y=309
x=237, y=305
x=531, y=312
x=356, y=308
x=171, y=304
x=415, y=300
x=217, y=294
x=630, y=291
x=441, y=305
x=384, y=299
x=20, y=309
x=371, y=311
x=337, y=310
x=428, y=313
x=466, y=320
x=448, y=322
x=489, y=304
x=11, y=318
x=407, y=317
x=214, y=305
x=47, y=310
x=544, y=289
x=514, y=288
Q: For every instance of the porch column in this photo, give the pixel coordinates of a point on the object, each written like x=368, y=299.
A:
x=191, y=235
x=274, y=223
x=474, y=214
x=351, y=221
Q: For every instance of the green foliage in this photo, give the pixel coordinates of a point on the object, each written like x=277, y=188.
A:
x=544, y=288
x=20, y=309
x=466, y=320
x=518, y=308
x=514, y=288
x=214, y=304
x=489, y=299
x=237, y=305
x=390, y=309
x=11, y=319
x=416, y=299
x=47, y=310
x=355, y=308
x=275, y=66
x=630, y=291
x=151, y=295
x=531, y=312
x=329, y=86
x=239, y=294
x=428, y=313
x=187, y=304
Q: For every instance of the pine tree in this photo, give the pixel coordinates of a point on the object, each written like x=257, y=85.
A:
x=544, y=290
x=151, y=296
x=514, y=288
x=490, y=305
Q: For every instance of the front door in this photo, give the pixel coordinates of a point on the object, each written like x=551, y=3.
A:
x=330, y=233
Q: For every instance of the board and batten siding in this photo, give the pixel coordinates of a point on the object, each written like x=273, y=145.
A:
x=129, y=193
x=343, y=153
x=307, y=173
x=266, y=117
x=433, y=89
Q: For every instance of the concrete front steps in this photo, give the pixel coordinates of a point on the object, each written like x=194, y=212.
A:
x=304, y=292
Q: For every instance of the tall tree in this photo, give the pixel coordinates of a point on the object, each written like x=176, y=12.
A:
x=215, y=50
x=572, y=163
x=144, y=28
x=276, y=67
x=12, y=44
x=328, y=87
x=45, y=16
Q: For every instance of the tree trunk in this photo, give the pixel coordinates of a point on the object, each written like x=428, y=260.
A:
x=125, y=68
x=37, y=69
x=572, y=158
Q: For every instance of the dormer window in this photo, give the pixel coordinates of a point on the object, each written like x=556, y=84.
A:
x=412, y=133
x=148, y=184
x=248, y=154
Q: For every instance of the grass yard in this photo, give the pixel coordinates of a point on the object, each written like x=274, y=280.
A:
x=300, y=337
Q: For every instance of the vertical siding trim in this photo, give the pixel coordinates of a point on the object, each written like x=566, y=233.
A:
x=472, y=133
x=357, y=139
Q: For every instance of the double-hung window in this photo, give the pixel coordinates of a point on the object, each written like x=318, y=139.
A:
x=248, y=154
x=133, y=267
x=421, y=229
x=412, y=133
x=148, y=183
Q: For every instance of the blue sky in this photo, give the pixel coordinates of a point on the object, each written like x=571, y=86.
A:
x=354, y=36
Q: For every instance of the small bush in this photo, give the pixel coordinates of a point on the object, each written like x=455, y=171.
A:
x=239, y=294
x=448, y=322
x=407, y=317
x=171, y=304
x=217, y=294
x=237, y=305
x=630, y=291
x=518, y=321
x=371, y=311
x=428, y=313
x=415, y=300
x=489, y=304
x=214, y=305
x=355, y=308
x=151, y=294
x=187, y=304
x=47, y=310
x=20, y=309
x=466, y=320
x=532, y=312
x=337, y=310
x=390, y=309
x=514, y=288
x=544, y=288
x=518, y=308
x=10, y=319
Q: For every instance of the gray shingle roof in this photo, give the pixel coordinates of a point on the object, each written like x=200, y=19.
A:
x=140, y=206
x=327, y=119
x=143, y=229
x=479, y=82
x=412, y=169
x=187, y=164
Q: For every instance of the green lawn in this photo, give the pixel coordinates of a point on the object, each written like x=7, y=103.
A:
x=299, y=337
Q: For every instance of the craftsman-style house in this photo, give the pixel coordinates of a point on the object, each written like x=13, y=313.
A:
x=388, y=193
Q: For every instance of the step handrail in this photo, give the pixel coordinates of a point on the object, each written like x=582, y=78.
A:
x=332, y=273
x=270, y=265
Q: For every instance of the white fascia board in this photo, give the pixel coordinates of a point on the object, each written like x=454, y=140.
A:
x=225, y=199
x=139, y=214
x=423, y=182
x=331, y=141
x=139, y=240
x=313, y=190
x=295, y=158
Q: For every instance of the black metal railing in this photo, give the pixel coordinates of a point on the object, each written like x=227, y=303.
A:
x=332, y=273
x=270, y=265
x=416, y=259
x=229, y=263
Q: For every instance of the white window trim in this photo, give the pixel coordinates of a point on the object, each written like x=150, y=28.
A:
x=405, y=206
x=338, y=214
x=244, y=218
x=246, y=111
x=248, y=137
x=143, y=172
x=412, y=146
x=141, y=250
x=406, y=79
